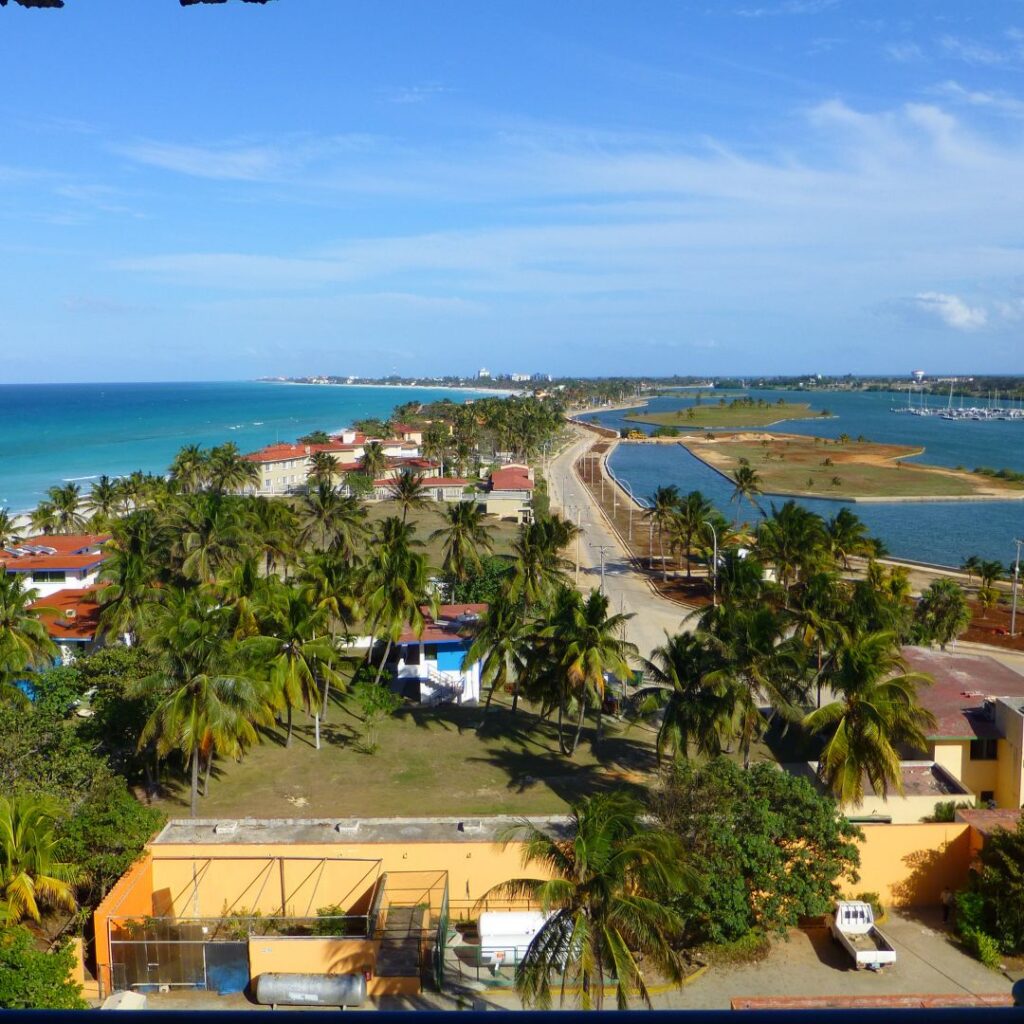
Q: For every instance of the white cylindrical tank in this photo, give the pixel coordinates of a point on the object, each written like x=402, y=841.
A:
x=505, y=935
x=311, y=989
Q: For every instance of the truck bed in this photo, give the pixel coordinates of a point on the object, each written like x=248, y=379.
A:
x=868, y=942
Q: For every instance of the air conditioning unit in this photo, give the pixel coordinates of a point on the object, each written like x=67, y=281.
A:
x=225, y=828
x=70, y=613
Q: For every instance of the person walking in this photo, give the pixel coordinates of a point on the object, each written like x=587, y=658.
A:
x=947, y=903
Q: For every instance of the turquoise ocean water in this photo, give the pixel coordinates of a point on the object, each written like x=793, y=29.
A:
x=51, y=433
x=943, y=533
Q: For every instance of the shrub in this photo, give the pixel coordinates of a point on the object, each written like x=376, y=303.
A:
x=875, y=900
x=969, y=907
x=750, y=948
x=983, y=947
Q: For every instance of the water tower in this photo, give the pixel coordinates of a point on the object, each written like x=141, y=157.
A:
x=918, y=376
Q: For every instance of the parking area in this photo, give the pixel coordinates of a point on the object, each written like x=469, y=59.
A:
x=808, y=964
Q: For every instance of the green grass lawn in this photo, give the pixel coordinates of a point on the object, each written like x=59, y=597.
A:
x=727, y=416
x=431, y=761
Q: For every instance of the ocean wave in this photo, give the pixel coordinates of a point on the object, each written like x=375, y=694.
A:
x=75, y=479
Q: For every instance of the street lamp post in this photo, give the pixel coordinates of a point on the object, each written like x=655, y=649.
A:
x=714, y=564
x=1016, y=580
x=603, y=548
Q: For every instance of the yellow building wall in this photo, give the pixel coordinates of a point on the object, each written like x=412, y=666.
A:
x=950, y=755
x=1009, y=784
x=278, y=955
x=910, y=865
x=472, y=868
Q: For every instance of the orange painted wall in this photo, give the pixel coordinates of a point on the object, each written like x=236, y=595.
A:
x=277, y=955
x=910, y=865
x=132, y=894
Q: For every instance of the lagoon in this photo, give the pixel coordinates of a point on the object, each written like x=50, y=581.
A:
x=943, y=533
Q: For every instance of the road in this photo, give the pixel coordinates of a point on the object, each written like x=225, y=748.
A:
x=627, y=589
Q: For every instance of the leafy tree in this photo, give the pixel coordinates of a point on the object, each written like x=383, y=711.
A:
x=766, y=846
x=942, y=614
x=315, y=437
x=607, y=899
x=32, y=875
x=482, y=585
x=105, y=835
x=377, y=704
x=997, y=887
x=32, y=979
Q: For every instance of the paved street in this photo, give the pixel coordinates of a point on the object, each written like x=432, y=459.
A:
x=628, y=591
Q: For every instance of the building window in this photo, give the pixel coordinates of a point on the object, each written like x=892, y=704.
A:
x=984, y=750
x=988, y=797
x=49, y=576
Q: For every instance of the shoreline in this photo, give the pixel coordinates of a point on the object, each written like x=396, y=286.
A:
x=498, y=392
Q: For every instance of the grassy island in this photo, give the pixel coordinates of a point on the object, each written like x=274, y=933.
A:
x=737, y=412
x=842, y=468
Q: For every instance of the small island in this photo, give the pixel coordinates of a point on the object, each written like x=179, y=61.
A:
x=843, y=468
x=737, y=412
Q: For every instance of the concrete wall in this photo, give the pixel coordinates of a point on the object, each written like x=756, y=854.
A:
x=132, y=895
x=1009, y=785
x=910, y=865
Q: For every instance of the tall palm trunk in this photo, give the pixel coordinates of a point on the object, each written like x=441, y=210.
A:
x=206, y=773
x=195, y=783
x=288, y=738
x=579, y=728
x=383, y=661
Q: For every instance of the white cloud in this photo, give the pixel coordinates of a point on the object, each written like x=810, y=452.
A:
x=904, y=53
x=979, y=54
x=952, y=310
x=1000, y=102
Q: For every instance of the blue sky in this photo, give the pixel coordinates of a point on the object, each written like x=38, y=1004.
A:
x=350, y=186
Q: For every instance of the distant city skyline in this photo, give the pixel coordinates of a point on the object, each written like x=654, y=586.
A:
x=769, y=187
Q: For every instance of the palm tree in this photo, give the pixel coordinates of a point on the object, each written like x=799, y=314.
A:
x=230, y=471
x=695, y=712
x=103, y=500
x=792, y=539
x=274, y=526
x=688, y=523
x=209, y=535
x=331, y=583
x=43, y=518
x=661, y=511
x=206, y=704
x=135, y=555
x=395, y=585
x=607, y=900
x=758, y=663
x=847, y=535
x=32, y=875
x=877, y=710
x=24, y=643
x=190, y=469
x=585, y=645
x=66, y=502
x=330, y=521
x=437, y=442
x=538, y=567
x=374, y=462
x=988, y=572
x=746, y=484
x=295, y=652
x=971, y=566
x=409, y=491
x=10, y=534
x=323, y=468
x=943, y=611
x=465, y=535
x=500, y=644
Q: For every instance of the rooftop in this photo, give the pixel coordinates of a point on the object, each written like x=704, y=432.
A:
x=55, y=551
x=347, y=831
x=512, y=478
x=70, y=614
x=449, y=626
x=962, y=684
x=986, y=821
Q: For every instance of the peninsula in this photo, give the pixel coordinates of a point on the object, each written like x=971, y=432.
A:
x=843, y=468
x=738, y=412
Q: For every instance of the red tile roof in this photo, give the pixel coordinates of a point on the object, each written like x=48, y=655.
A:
x=962, y=683
x=70, y=614
x=512, y=478
x=65, y=551
x=987, y=821
x=447, y=627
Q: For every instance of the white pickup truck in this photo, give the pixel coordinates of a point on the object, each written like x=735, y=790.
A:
x=853, y=927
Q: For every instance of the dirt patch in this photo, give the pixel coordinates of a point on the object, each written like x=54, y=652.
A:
x=992, y=626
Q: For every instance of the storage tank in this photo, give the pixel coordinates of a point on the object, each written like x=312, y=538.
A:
x=505, y=935
x=311, y=989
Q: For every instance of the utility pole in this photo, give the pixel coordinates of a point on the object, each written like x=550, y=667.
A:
x=603, y=548
x=1016, y=580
